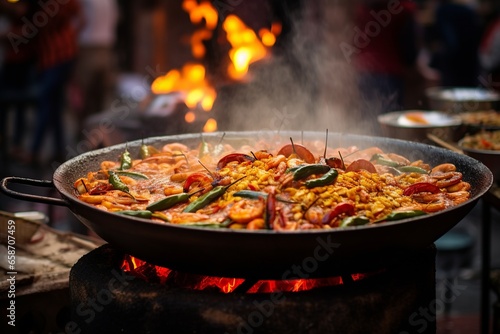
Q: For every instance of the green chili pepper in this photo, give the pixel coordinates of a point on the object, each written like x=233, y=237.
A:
x=412, y=169
x=307, y=170
x=250, y=194
x=402, y=215
x=134, y=175
x=379, y=159
x=168, y=202
x=125, y=160
x=209, y=197
x=117, y=183
x=136, y=213
x=206, y=199
x=160, y=215
x=327, y=178
x=354, y=221
x=145, y=153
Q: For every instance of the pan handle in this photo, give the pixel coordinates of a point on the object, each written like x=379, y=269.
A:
x=4, y=187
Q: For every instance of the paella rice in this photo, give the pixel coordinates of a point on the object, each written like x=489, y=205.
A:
x=260, y=187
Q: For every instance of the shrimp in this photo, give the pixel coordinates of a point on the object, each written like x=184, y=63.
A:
x=315, y=215
x=246, y=210
x=459, y=197
x=275, y=161
x=445, y=175
x=461, y=186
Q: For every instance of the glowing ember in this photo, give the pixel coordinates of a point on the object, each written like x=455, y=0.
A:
x=151, y=273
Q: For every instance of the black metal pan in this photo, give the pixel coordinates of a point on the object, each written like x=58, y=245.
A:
x=263, y=254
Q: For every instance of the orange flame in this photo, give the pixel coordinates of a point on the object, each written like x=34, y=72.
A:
x=191, y=80
x=201, y=11
x=246, y=48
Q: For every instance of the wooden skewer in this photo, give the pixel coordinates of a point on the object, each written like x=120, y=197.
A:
x=444, y=144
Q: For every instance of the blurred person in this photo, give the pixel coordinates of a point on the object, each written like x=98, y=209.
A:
x=17, y=73
x=386, y=48
x=455, y=36
x=95, y=72
x=489, y=51
x=56, y=47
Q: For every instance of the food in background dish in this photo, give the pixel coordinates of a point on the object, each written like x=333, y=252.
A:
x=486, y=119
x=261, y=187
x=466, y=94
x=484, y=140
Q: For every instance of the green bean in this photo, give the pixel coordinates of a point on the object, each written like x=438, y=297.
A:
x=168, y=202
x=327, y=178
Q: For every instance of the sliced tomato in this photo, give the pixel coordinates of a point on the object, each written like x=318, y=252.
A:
x=360, y=164
x=302, y=152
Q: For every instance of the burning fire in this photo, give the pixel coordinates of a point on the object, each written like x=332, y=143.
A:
x=246, y=48
x=156, y=274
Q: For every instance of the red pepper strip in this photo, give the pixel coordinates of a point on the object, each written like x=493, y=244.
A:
x=302, y=152
x=339, y=209
x=421, y=187
x=101, y=188
x=195, y=178
x=270, y=210
x=359, y=164
x=239, y=157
